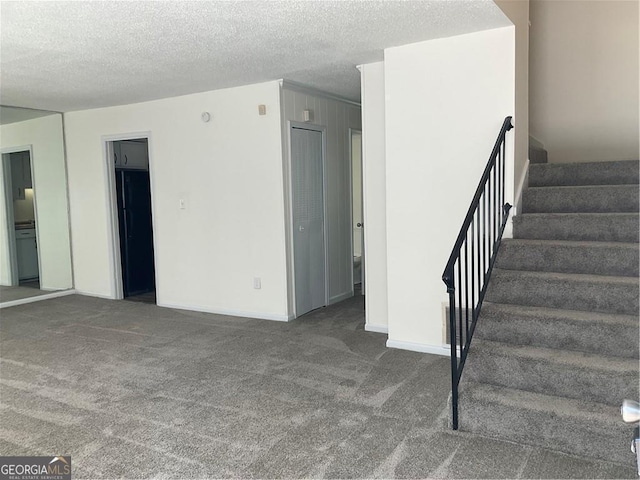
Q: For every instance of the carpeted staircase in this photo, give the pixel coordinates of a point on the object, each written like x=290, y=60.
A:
x=556, y=347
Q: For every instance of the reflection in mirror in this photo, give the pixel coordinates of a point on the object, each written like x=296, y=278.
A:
x=35, y=250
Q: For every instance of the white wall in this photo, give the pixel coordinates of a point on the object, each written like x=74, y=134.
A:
x=375, y=209
x=446, y=100
x=338, y=117
x=518, y=13
x=584, y=79
x=229, y=171
x=44, y=134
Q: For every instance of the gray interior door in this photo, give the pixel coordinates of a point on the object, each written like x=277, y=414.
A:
x=308, y=220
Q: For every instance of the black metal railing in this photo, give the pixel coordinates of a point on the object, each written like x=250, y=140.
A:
x=471, y=262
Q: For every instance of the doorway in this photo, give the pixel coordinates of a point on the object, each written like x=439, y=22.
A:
x=132, y=188
x=355, y=142
x=308, y=216
x=24, y=264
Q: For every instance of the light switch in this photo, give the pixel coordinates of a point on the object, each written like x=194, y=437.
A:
x=257, y=283
x=262, y=109
x=183, y=204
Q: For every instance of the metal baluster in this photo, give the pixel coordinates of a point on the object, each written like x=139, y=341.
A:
x=466, y=284
x=489, y=232
x=460, y=299
x=495, y=232
x=473, y=273
x=503, y=177
x=484, y=233
x=454, y=357
x=478, y=225
x=489, y=220
x=498, y=168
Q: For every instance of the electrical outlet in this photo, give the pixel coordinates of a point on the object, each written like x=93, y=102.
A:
x=257, y=283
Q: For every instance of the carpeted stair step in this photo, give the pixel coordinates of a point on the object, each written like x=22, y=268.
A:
x=579, y=199
x=564, y=373
x=596, y=333
x=598, y=258
x=594, y=173
x=597, y=227
x=591, y=293
x=578, y=427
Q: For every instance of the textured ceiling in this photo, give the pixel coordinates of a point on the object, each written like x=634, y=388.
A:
x=75, y=55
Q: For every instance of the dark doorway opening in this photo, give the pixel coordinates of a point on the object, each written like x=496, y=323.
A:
x=133, y=193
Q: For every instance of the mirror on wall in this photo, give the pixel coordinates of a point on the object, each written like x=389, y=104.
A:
x=35, y=247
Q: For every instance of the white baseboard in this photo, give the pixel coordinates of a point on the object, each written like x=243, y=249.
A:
x=517, y=201
x=37, y=298
x=508, y=227
x=95, y=295
x=376, y=328
x=51, y=289
x=339, y=298
x=234, y=313
x=522, y=184
x=443, y=350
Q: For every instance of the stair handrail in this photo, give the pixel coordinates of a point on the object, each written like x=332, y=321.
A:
x=486, y=220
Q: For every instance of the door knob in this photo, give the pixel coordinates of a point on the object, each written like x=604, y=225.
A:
x=358, y=225
x=301, y=228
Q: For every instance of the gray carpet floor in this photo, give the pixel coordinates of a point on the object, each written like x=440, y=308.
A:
x=131, y=390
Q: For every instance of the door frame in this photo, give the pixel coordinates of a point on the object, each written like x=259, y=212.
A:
x=323, y=130
x=10, y=214
x=113, y=227
x=362, y=274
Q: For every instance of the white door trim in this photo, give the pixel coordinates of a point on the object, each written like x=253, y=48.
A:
x=323, y=130
x=362, y=271
x=113, y=229
x=351, y=130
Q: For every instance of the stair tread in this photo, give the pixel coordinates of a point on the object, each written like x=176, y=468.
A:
x=572, y=243
x=571, y=291
x=601, y=163
x=591, y=361
x=623, y=186
x=570, y=256
x=623, y=172
x=595, y=162
x=578, y=214
x=581, y=226
x=576, y=198
x=550, y=404
x=576, y=426
x=579, y=277
x=573, y=315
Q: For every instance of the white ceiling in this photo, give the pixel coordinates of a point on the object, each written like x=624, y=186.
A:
x=68, y=56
